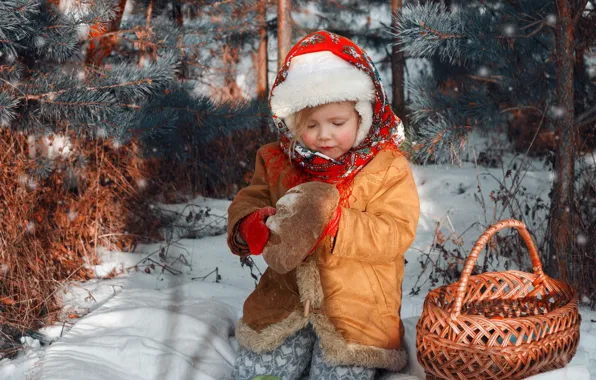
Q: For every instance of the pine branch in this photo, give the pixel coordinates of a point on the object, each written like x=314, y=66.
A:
x=51, y=95
x=467, y=35
x=34, y=27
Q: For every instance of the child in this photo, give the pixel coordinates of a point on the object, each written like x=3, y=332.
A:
x=336, y=315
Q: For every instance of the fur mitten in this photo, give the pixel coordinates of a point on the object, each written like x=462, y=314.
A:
x=301, y=217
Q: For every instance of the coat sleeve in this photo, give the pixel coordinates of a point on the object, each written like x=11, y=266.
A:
x=387, y=227
x=249, y=199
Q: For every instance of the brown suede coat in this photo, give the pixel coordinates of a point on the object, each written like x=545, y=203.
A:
x=353, y=290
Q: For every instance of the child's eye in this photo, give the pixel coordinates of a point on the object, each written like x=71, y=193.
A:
x=311, y=126
x=339, y=123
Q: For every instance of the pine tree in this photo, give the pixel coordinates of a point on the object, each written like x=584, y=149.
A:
x=503, y=60
x=179, y=124
x=507, y=57
x=42, y=91
x=132, y=96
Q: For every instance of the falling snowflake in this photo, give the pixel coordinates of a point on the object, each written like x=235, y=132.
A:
x=557, y=111
x=72, y=216
x=551, y=19
x=582, y=239
x=552, y=177
x=32, y=184
x=483, y=71
x=23, y=179
x=142, y=183
x=509, y=30
x=39, y=42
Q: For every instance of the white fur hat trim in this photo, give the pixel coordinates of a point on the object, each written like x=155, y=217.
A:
x=320, y=78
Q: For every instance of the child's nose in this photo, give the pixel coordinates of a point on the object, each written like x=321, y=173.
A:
x=324, y=133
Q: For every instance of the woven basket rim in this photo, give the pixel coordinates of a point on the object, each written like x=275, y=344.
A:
x=571, y=306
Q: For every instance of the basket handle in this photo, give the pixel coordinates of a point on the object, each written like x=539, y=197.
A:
x=480, y=244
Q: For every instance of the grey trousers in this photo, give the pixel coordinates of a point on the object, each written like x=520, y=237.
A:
x=299, y=357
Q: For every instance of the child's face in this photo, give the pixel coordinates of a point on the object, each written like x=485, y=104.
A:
x=331, y=129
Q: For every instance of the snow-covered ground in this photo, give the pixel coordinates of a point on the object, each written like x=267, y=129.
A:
x=159, y=325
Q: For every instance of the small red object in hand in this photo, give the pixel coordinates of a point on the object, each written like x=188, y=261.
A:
x=330, y=229
x=254, y=231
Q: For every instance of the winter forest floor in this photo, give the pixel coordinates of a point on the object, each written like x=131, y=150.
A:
x=147, y=323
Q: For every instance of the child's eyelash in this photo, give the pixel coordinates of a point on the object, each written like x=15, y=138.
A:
x=339, y=123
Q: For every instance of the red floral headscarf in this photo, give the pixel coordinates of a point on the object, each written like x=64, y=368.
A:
x=386, y=131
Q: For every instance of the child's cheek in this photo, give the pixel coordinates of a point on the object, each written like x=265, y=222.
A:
x=308, y=139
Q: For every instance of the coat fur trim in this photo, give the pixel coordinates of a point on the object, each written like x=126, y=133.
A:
x=309, y=282
x=271, y=336
x=337, y=351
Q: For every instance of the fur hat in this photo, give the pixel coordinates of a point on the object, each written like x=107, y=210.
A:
x=320, y=78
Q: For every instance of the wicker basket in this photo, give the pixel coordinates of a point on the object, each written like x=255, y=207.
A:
x=500, y=325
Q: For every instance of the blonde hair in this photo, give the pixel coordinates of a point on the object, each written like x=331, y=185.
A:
x=300, y=122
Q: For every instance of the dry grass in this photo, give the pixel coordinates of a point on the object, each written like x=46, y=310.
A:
x=50, y=227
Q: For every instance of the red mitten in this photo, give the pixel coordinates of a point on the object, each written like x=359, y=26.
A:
x=254, y=231
x=330, y=229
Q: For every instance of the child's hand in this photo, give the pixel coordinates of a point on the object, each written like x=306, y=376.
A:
x=254, y=230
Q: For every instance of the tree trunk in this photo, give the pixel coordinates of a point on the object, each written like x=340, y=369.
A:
x=99, y=48
x=284, y=30
x=177, y=15
x=397, y=68
x=562, y=205
x=263, y=56
x=143, y=50
x=231, y=57
x=177, y=12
